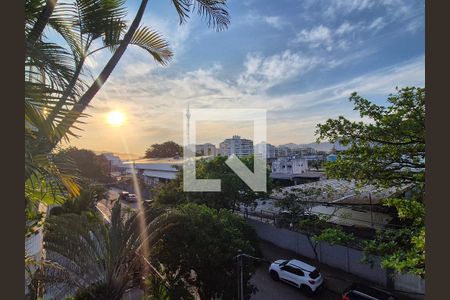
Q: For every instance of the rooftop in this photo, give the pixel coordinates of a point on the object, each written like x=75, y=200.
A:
x=339, y=191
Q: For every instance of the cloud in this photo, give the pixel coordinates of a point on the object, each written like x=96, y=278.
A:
x=255, y=18
x=377, y=24
x=262, y=73
x=154, y=104
x=274, y=21
x=317, y=36
x=345, y=27
x=337, y=8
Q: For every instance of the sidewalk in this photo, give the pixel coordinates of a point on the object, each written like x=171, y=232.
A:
x=336, y=280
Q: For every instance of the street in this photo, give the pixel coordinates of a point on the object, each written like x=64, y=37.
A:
x=269, y=289
x=113, y=194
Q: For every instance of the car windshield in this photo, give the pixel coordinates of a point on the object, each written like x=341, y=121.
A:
x=283, y=263
x=314, y=274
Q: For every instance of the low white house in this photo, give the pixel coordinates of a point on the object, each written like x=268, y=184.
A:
x=155, y=170
x=290, y=165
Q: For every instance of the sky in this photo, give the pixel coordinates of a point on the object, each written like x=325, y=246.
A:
x=298, y=59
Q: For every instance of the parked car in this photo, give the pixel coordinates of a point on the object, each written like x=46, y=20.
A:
x=362, y=292
x=132, y=198
x=123, y=195
x=297, y=273
x=148, y=202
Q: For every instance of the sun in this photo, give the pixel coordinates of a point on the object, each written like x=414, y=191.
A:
x=116, y=118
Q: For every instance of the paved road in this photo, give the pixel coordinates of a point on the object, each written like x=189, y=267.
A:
x=113, y=194
x=269, y=289
x=273, y=290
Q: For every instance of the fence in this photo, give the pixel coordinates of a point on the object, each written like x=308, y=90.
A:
x=341, y=257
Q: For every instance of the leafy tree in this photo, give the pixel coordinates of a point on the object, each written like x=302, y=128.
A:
x=96, y=260
x=198, y=251
x=85, y=202
x=166, y=149
x=389, y=152
x=296, y=214
x=317, y=164
x=234, y=191
x=88, y=164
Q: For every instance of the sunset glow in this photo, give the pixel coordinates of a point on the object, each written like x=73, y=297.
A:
x=116, y=118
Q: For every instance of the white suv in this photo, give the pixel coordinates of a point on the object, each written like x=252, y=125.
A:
x=296, y=273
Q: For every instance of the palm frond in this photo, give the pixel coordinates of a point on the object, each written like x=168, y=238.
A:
x=95, y=16
x=32, y=10
x=214, y=11
x=153, y=43
x=52, y=61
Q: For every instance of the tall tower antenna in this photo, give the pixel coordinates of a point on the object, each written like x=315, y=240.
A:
x=188, y=116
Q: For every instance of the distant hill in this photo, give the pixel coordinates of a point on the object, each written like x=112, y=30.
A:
x=325, y=146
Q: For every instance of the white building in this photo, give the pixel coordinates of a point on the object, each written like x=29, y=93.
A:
x=34, y=247
x=155, y=170
x=266, y=149
x=289, y=165
x=237, y=146
x=115, y=160
x=206, y=149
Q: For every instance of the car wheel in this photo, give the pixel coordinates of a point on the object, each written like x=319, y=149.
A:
x=274, y=275
x=306, y=290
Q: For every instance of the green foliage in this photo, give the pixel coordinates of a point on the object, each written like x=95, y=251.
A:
x=96, y=255
x=156, y=289
x=85, y=202
x=335, y=236
x=408, y=210
x=389, y=151
x=94, y=292
x=233, y=189
x=205, y=241
x=88, y=165
x=401, y=249
x=313, y=225
x=164, y=150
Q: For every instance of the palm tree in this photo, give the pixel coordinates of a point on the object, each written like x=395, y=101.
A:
x=95, y=258
x=104, y=19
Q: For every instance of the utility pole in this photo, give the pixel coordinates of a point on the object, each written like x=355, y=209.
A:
x=371, y=209
x=240, y=276
x=240, y=271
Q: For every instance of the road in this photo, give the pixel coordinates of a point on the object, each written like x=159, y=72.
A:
x=269, y=289
x=113, y=194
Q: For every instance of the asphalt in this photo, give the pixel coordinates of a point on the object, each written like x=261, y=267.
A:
x=269, y=289
x=336, y=281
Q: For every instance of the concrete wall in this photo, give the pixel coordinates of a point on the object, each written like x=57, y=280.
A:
x=409, y=283
x=341, y=257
